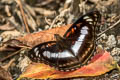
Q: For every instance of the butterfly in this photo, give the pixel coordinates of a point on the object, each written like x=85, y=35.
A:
x=71, y=51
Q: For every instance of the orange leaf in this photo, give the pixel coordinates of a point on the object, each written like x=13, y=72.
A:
x=100, y=64
x=34, y=39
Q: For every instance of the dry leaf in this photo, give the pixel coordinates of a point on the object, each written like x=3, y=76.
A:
x=33, y=39
x=5, y=75
x=10, y=34
x=12, y=45
x=100, y=64
x=6, y=27
x=43, y=36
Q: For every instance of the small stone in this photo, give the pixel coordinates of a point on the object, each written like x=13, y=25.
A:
x=115, y=51
x=47, y=27
x=23, y=63
x=111, y=41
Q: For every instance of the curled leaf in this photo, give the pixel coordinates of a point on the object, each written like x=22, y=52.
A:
x=12, y=45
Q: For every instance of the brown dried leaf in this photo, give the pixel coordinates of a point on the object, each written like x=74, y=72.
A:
x=12, y=45
x=32, y=39
x=8, y=34
x=6, y=27
x=5, y=75
x=43, y=36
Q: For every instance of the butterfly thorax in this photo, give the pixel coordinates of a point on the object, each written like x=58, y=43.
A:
x=62, y=43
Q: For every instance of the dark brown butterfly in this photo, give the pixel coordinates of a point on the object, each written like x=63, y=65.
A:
x=72, y=50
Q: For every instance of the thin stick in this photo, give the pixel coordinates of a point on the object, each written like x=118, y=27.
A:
x=23, y=15
x=3, y=59
x=8, y=64
x=47, y=21
x=109, y=27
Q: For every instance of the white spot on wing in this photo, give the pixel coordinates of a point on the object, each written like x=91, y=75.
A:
x=85, y=27
x=90, y=23
x=35, y=50
x=65, y=54
x=89, y=19
x=76, y=47
x=46, y=45
x=84, y=31
x=81, y=38
x=86, y=17
x=37, y=53
x=67, y=70
x=45, y=53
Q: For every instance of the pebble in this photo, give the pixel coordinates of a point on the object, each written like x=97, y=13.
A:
x=116, y=54
x=115, y=51
x=23, y=63
x=111, y=42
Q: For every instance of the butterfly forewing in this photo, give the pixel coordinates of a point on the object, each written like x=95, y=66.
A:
x=74, y=49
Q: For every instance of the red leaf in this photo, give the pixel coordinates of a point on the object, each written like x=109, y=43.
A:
x=100, y=64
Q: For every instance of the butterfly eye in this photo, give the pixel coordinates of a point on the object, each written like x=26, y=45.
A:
x=72, y=50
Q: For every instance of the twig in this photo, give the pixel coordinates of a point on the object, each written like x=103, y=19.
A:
x=53, y=22
x=8, y=64
x=109, y=27
x=44, y=3
x=3, y=59
x=99, y=35
x=23, y=15
x=48, y=22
